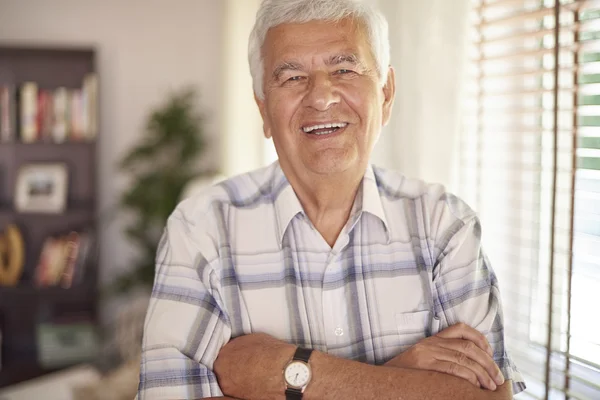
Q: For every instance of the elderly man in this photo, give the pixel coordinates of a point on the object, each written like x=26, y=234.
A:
x=320, y=276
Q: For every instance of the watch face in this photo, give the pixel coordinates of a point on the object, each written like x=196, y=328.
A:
x=297, y=374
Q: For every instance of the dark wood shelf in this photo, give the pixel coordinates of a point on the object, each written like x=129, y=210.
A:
x=24, y=307
x=49, y=67
x=68, y=143
x=81, y=210
x=9, y=294
x=78, y=157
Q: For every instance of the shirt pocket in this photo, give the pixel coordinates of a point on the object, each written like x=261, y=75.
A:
x=413, y=326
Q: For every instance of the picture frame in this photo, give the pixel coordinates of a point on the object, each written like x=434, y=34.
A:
x=41, y=188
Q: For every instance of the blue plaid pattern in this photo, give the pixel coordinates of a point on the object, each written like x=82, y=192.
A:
x=242, y=257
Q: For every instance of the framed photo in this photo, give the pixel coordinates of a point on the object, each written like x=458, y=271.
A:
x=42, y=188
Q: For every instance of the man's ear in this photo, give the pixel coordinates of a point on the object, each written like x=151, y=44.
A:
x=389, y=93
x=263, y=113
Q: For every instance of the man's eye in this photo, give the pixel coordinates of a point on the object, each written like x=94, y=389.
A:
x=295, y=78
x=344, y=71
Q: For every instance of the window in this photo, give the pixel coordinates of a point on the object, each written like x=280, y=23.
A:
x=530, y=166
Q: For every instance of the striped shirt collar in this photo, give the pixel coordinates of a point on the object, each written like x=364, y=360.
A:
x=287, y=205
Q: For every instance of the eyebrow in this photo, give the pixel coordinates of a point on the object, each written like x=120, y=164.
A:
x=334, y=60
x=286, y=66
x=343, y=58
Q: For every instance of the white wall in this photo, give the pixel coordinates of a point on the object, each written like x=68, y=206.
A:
x=243, y=141
x=145, y=48
x=428, y=48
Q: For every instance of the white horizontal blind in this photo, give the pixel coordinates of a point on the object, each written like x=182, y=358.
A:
x=530, y=166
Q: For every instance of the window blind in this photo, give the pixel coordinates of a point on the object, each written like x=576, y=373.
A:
x=530, y=166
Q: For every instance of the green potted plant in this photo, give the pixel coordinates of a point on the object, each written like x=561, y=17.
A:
x=161, y=165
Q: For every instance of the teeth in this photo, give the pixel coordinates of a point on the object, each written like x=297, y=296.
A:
x=309, y=129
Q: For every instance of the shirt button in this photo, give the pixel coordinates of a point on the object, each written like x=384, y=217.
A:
x=338, y=331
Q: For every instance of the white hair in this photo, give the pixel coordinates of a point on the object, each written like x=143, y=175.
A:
x=276, y=12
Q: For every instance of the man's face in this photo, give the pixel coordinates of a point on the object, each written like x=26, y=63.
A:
x=324, y=106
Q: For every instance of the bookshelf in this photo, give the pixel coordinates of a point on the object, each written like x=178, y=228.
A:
x=29, y=308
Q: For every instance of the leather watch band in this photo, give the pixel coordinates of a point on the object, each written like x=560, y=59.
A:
x=302, y=354
x=293, y=394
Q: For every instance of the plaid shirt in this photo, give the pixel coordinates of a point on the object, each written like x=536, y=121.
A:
x=243, y=257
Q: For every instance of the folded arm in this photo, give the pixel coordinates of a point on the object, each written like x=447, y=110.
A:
x=343, y=379
x=251, y=366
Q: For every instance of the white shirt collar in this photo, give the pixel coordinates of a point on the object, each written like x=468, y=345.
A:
x=287, y=205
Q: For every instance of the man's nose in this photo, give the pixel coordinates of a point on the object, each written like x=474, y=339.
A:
x=322, y=93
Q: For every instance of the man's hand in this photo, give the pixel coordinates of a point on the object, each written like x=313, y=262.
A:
x=251, y=366
x=458, y=350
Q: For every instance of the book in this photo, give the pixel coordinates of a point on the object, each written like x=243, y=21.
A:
x=51, y=263
x=57, y=115
x=76, y=132
x=90, y=106
x=8, y=117
x=28, y=101
x=60, y=105
x=44, y=115
x=47, y=116
x=85, y=255
x=73, y=246
x=64, y=259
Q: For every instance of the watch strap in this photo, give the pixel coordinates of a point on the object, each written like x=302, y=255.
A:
x=293, y=394
x=302, y=354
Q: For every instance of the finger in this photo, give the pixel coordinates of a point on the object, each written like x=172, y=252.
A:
x=464, y=331
x=475, y=354
x=451, y=368
x=460, y=358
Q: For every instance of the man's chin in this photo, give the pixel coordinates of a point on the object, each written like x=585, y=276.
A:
x=330, y=165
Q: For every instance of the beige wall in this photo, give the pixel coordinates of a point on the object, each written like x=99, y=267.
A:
x=243, y=141
x=427, y=40
x=145, y=48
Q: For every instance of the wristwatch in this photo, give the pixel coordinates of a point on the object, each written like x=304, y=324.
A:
x=297, y=374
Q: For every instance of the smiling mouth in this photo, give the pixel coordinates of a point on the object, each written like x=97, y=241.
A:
x=324, y=129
